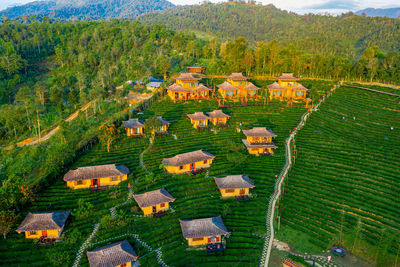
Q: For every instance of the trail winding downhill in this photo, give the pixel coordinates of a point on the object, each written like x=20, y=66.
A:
x=35, y=141
x=269, y=237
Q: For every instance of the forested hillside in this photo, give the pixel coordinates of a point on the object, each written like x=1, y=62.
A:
x=345, y=35
x=48, y=70
x=86, y=9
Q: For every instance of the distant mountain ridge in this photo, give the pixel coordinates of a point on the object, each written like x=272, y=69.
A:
x=70, y=10
x=347, y=34
x=380, y=12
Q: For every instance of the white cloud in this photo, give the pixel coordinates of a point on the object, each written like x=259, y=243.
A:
x=8, y=3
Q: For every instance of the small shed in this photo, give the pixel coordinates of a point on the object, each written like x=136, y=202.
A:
x=96, y=176
x=153, y=202
x=189, y=161
x=218, y=118
x=234, y=185
x=43, y=224
x=133, y=127
x=199, y=120
x=203, y=231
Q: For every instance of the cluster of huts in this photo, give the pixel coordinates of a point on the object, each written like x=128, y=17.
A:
x=237, y=85
x=196, y=231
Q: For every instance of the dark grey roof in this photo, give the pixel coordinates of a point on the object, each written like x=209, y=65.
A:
x=233, y=182
x=217, y=114
x=133, y=123
x=95, y=172
x=42, y=221
x=259, y=132
x=153, y=198
x=112, y=255
x=203, y=227
x=198, y=116
x=188, y=158
x=248, y=145
x=275, y=86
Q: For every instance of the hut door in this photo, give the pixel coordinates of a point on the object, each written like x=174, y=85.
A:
x=94, y=182
x=242, y=191
x=192, y=166
x=209, y=240
x=44, y=233
x=154, y=209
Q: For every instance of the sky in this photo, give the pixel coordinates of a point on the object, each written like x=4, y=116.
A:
x=304, y=6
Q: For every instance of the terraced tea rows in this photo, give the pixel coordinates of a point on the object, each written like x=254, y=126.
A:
x=348, y=163
x=197, y=196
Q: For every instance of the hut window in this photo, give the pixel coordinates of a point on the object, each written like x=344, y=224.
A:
x=198, y=239
x=229, y=190
x=162, y=205
x=206, y=161
x=32, y=232
x=123, y=265
x=114, y=179
x=79, y=182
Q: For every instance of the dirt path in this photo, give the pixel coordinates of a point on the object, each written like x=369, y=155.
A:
x=35, y=140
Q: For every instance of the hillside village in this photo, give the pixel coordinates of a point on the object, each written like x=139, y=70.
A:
x=159, y=200
x=170, y=140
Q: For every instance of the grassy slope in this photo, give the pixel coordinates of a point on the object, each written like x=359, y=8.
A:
x=197, y=196
x=347, y=164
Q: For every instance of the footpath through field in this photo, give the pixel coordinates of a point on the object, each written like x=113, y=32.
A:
x=269, y=237
x=35, y=141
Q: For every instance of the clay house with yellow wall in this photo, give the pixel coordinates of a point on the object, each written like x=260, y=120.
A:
x=287, y=87
x=133, y=127
x=259, y=141
x=234, y=185
x=245, y=88
x=154, y=202
x=199, y=120
x=43, y=224
x=190, y=161
x=164, y=126
x=188, y=87
x=218, y=118
x=200, y=232
x=227, y=90
x=96, y=176
x=119, y=254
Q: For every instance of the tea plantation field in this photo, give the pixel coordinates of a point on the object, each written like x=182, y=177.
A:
x=196, y=196
x=344, y=186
